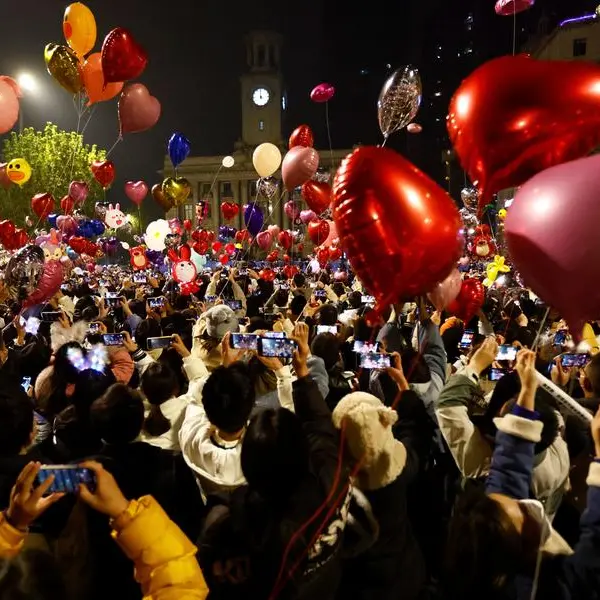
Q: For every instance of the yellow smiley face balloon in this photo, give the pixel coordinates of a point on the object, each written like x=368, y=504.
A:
x=79, y=28
x=18, y=171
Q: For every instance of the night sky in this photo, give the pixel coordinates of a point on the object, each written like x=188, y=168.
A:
x=196, y=55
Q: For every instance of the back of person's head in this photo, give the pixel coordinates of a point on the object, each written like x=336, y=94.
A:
x=298, y=304
x=118, y=415
x=275, y=455
x=363, y=332
x=138, y=307
x=228, y=397
x=64, y=371
x=299, y=280
x=31, y=575
x=281, y=298
x=328, y=315
x=90, y=385
x=355, y=300
x=33, y=359
x=592, y=376
x=338, y=289
x=146, y=329
x=257, y=324
x=16, y=419
x=327, y=347
x=159, y=383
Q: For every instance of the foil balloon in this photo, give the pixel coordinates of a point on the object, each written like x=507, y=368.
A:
x=138, y=110
x=165, y=203
x=176, y=190
x=493, y=269
x=508, y=8
x=318, y=231
x=469, y=219
x=266, y=159
x=515, y=116
x=18, y=171
x=9, y=103
x=552, y=234
x=93, y=81
x=317, y=195
x=399, y=100
x=138, y=259
x=273, y=230
x=79, y=28
x=307, y=216
x=322, y=175
x=104, y=172
x=79, y=190
x=122, y=57
x=230, y=210
x=469, y=300
x=446, y=291
x=49, y=283
x=298, y=166
x=178, y=148
x=136, y=191
x=253, y=218
x=67, y=204
x=285, y=239
x=291, y=209
x=42, y=205
x=469, y=198
x=414, y=128
x=301, y=136
x=23, y=272
x=322, y=93
x=62, y=63
x=399, y=229
x=267, y=187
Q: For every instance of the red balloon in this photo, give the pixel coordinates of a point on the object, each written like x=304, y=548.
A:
x=19, y=238
x=273, y=256
x=49, y=283
x=323, y=256
x=318, y=231
x=122, y=57
x=187, y=225
x=230, y=248
x=200, y=247
x=286, y=258
x=302, y=136
x=229, y=210
x=243, y=235
x=138, y=110
x=267, y=275
x=469, y=300
x=508, y=8
x=104, y=172
x=399, y=229
x=322, y=93
x=217, y=246
x=317, y=195
x=67, y=204
x=42, y=205
x=335, y=254
x=224, y=259
x=516, y=116
x=285, y=239
x=5, y=182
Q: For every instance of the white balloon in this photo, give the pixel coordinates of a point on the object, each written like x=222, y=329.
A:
x=228, y=162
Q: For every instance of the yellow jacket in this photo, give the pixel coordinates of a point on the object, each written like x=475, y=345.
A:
x=164, y=559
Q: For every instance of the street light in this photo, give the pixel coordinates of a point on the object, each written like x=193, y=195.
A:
x=28, y=83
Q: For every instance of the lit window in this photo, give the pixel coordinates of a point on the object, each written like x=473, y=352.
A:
x=189, y=212
x=580, y=47
x=438, y=94
x=364, y=71
x=261, y=125
x=468, y=51
x=469, y=19
x=283, y=102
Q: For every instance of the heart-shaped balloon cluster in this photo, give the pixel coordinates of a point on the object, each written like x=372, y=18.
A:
x=230, y=210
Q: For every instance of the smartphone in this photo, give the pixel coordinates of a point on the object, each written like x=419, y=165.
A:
x=496, y=374
x=243, y=272
x=154, y=343
x=274, y=334
x=51, y=316
x=375, y=360
x=506, y=352
x=244, y=341
x=467, y=339
x=113, y=301
x=112, y=295
x=158, y=302
x=140, y=278
x=574, y=359
x=270, y=317
x=368, y=299
x=233, y=304
x=113, y=339
x=94, y=328
x=365, y=347
x=32, y=325
x=211, y=299
x=560, y=338
x=276, y=347
x=320, y=294
x=284, y=286
x=26, y=383
x=67, y=478
x=327, y=329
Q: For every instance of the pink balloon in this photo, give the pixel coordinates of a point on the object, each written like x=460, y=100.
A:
x=264, y=240
x=322, y=93
x=136, y=191
x=445, y=291
x=414, y=128
x=291, y=209
x=9, y=103
x=138, y=110
x=298, y=166
x=79, y=190
x=306, y=216
x=48, y=285
x=273, y=230
x=552, y=234
x=508, y=8
x=332, y=238
x=66, y=224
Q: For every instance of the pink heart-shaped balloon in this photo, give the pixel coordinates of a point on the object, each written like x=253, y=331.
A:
x=306, y=216
x=273, y=230
x=136, y=191
x=66, y=224
x=79, y=190
x=264, y=240
x=322, y=93
x=138, y=110
x=298, y=166
x=291, y=209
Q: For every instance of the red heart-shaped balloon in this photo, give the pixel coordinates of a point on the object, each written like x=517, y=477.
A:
x=273, y=255
x=138, y=110
x=7, y=228
x=42, y=205
x=200, y=247
x=103, y=172
x=317, y=195
x=217, y=246
x=399, y=229
x=469, y=300
x=301, y=136
x=243, y=235
x=335, y=254
x=318, y=231
x=323, y=256
x=224, y=259
x=285, y=239
x=515, y=116
x=122, y=57
x=19, y=238
x=229, y=210
x=67, y=204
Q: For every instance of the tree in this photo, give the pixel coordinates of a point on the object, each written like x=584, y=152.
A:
x=56, y=157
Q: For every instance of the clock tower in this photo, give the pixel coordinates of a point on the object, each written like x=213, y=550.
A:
x=263, y=98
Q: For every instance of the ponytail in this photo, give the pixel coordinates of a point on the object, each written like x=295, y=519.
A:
x=156, y=423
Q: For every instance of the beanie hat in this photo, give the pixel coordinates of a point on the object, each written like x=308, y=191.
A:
x=368, y=433
x=220, y=320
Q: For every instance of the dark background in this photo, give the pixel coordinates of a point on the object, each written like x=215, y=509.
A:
x=196, y=55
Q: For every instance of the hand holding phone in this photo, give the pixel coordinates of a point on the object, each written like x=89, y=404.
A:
x=574, y=359
x=375, y=360
x=506, y=352
x=154, y=343
x=67, y=478
x=113, y=339
x=243, y=341
x=277, y=347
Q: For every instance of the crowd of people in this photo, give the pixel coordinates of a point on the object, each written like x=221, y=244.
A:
x=271, y=439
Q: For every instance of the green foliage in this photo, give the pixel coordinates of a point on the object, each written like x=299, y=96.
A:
x=56, y=157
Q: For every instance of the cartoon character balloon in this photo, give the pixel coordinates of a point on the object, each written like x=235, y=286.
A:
x=18, y=171
x=138, y=258
x=51, y=246
x=184, y=271
x=79, y=27
x=114, y=217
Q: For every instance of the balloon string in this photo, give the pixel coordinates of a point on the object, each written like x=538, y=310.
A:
x=514, y=28
x=539, y=333
x=328, y=133
x=385, y=139
x=119, y=139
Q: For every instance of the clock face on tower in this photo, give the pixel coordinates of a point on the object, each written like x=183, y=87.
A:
x=260, y=96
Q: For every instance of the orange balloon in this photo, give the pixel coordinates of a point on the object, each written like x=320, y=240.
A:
x=93, y=80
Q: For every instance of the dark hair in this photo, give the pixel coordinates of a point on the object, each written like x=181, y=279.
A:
x=339, y=289
x=275, y=454
x=257, y=324
x=138, y=307
x=547, y=415
x=16, y=419
x=63, y=374
x=299, y=280
x=31, y=575
x=593, y=374
x=355, y=300
x=118, y=415
x=363, y=331
x=228, y=397
x=328, y=314
x=146, y=329
x=159, y=383
x=89, y=386
x=282, y=298
x=298, y=304
x=327, y=347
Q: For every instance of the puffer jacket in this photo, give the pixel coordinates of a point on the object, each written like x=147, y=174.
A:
x=164, y=559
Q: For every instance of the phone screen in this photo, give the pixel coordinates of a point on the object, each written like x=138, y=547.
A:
x=67, y=478
x=327, y=329
x=110, y=295
x=94, y=328
x=32, y=325
x=158, y=302
x=365, y=347
x=154, y=343
x=574, y=360
x=51, y=316
x=560, y=338
x=277, y=347
x=26, y=383
x=368, y=299
x=234, y=304
x=496, y=374
x=374, y=361
x=244, y=341
x=506, y=352
x=284, y=286
x=211, y=299
x=467, y=339
x=320, y=294
x=113, y=339
x=139, y=278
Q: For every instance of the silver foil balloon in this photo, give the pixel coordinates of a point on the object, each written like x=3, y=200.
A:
x=322, y=175
x=100, y=210
x=267, y=187
x=399, y=100
x=172, y=240
x=469, y=219
x=23, y=272
x=470, y=198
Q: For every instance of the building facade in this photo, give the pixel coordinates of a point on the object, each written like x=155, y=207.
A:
x=262, y=102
